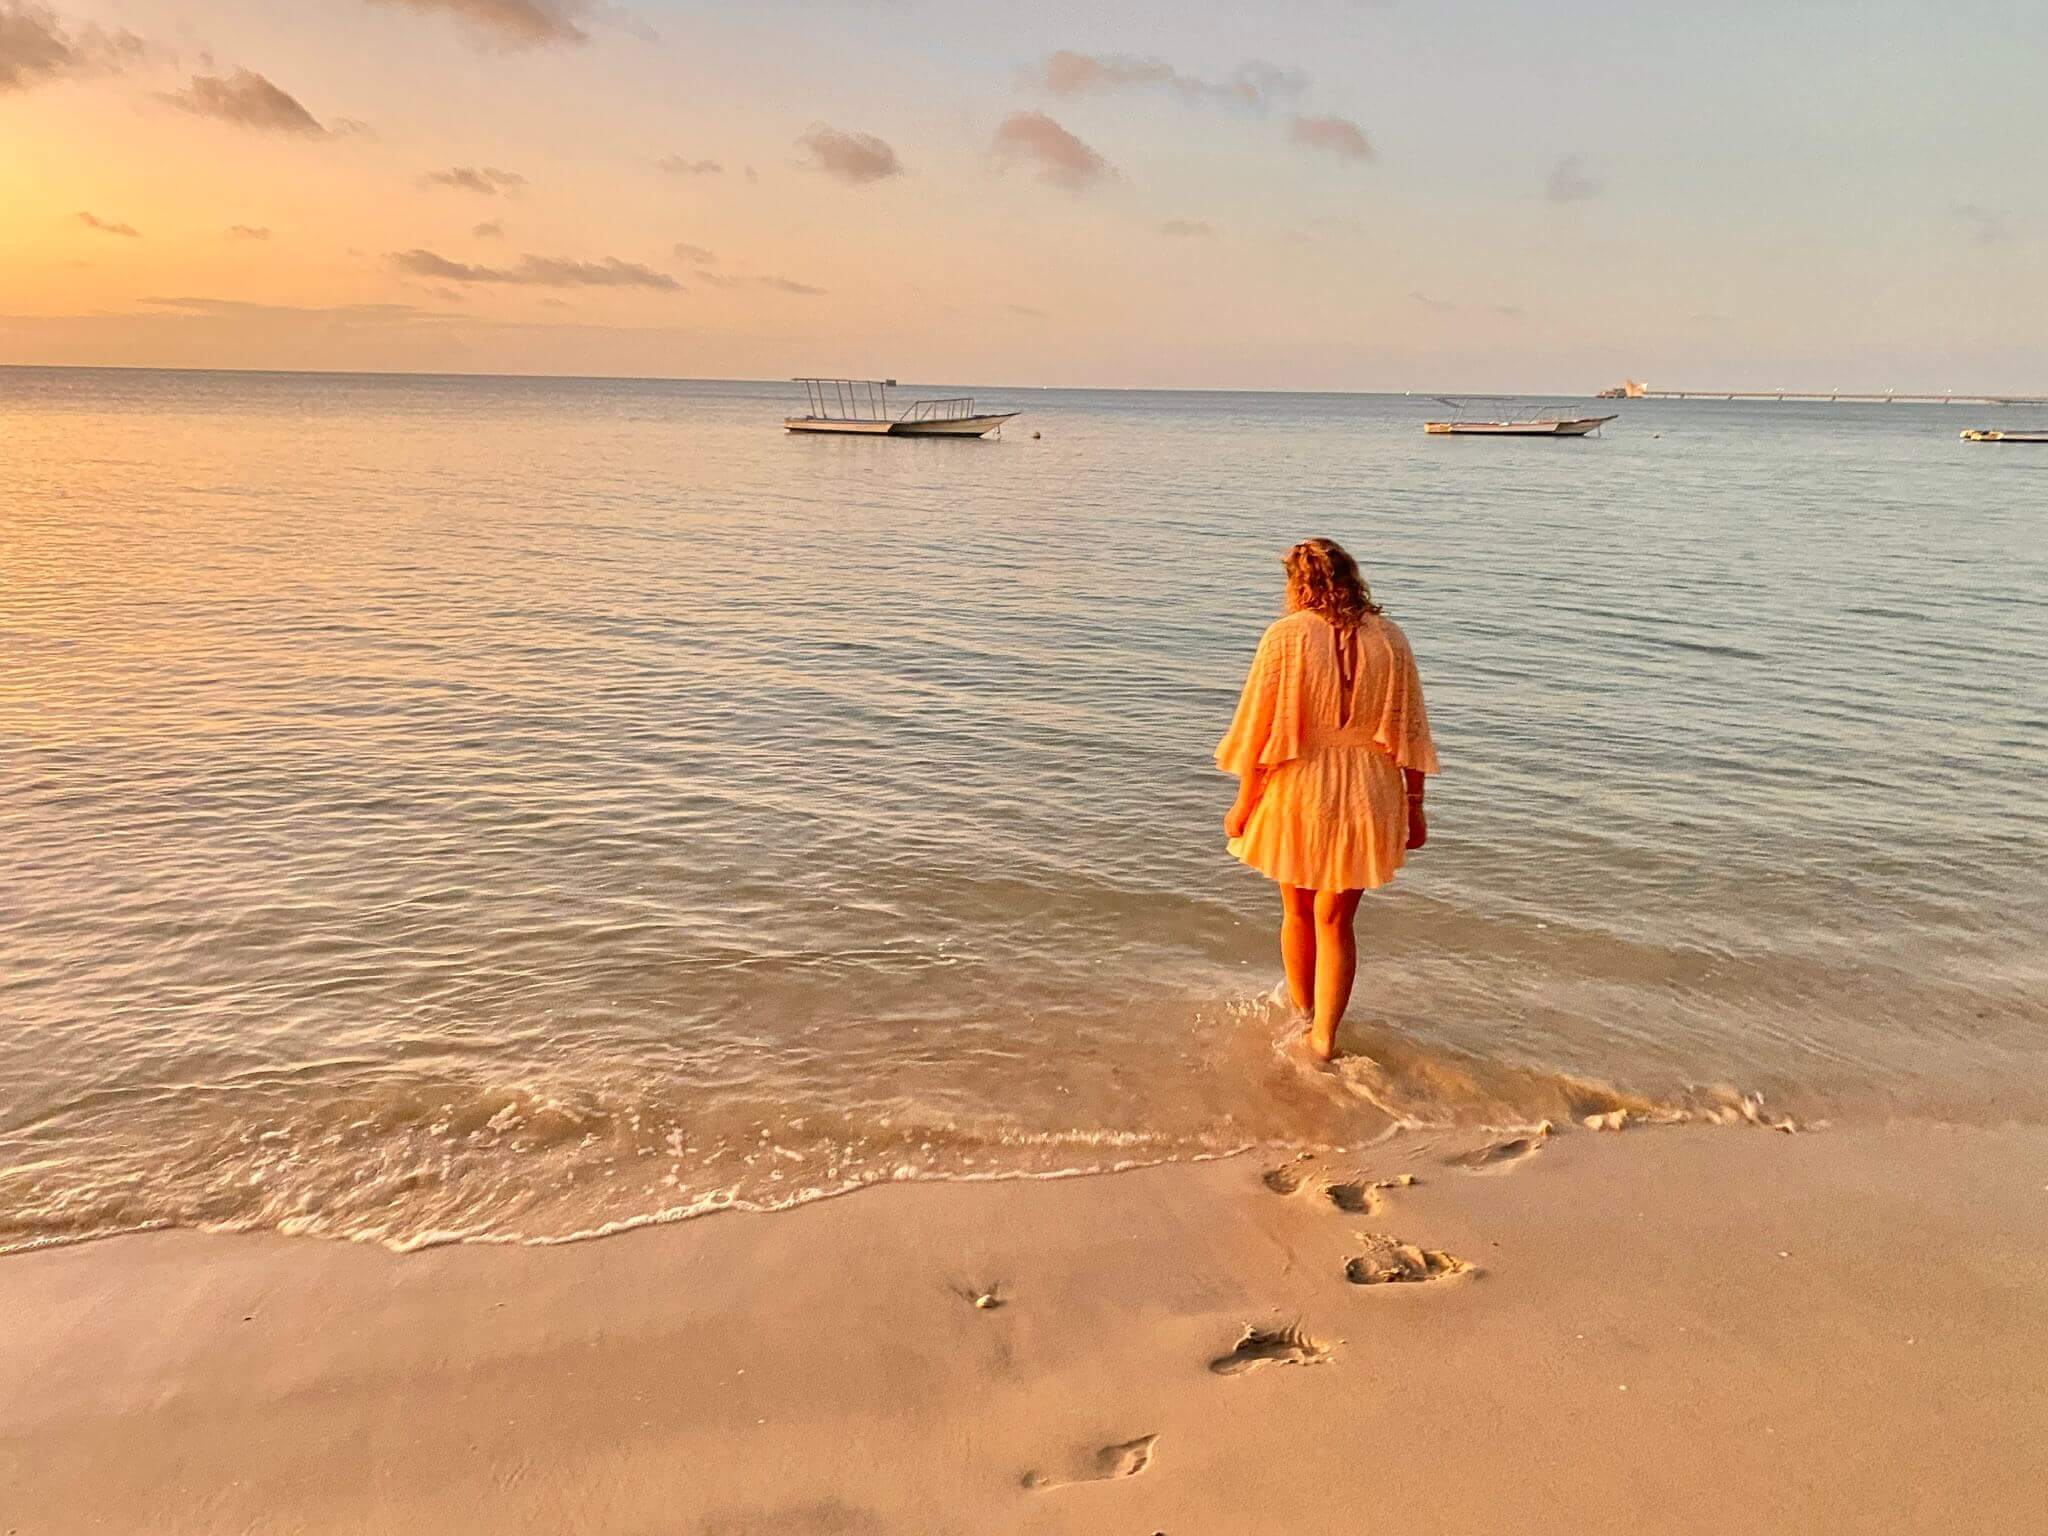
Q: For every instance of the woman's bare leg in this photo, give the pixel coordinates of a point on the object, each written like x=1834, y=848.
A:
x=1336, y=963
x=1298, y=944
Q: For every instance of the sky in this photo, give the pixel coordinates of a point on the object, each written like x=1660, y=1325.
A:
x=1306, y=194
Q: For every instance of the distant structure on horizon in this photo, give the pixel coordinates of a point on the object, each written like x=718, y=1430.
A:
x=1636, y=389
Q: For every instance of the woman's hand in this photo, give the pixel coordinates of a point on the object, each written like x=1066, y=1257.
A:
x=1249, y=789
x=1418, y=824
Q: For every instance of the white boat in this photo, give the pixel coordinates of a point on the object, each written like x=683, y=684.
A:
x=1993, y=435
x=861, y=406
x=1531, y=422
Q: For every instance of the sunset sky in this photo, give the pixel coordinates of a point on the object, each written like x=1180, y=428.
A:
x=1357, y=194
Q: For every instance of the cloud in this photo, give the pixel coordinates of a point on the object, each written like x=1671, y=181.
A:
x=1570, y=182
x=487, y=179
x=1987, y=226
x=1253, y=85
x=777, y=284
x=1026, y=311
x=1453, y=307
x=248, y=100
x=378, y=314
x=247, y=232
x=1339, y=135
x=1061, y=158
x=854, y=157
x=677, y=165
x=696, y=255
x=513, y=23
x=35, y=47
x=538, y=271
x=490, y=229
x=94, y=221
x=1186, y=229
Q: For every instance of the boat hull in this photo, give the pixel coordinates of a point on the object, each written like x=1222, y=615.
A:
x=937, y=426
x=1992, y=435
x=1577, y=427
x=837, y=424
x=956, y=426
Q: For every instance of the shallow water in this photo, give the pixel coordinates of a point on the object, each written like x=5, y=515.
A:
x=516, y=808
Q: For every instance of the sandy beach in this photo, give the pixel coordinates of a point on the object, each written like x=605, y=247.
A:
x=1669, y=1329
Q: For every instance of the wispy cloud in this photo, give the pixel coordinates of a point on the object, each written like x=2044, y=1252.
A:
x=35, y=46
x=1453, y=307
x=375, y=314
x=682, y=165
x=775, y=284
x=854, y=157
x=1027, y=311
x=511, y=23
x=248, y=100
x=1060, y=158
x=1186, y=229
x=1253, y=85
x=1336, y=135
x=487, y=179
x=1571, y=182
x=695, y=255
x=538, y=271
x=1987, y=226
x=108, y=227
x=490, y=229
x=248, y=232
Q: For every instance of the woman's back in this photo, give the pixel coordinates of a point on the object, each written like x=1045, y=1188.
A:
x=1319, y=687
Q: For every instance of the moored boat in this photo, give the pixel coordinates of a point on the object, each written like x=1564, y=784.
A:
x=1528, y=423
x=1994, y=435
x=861, y=406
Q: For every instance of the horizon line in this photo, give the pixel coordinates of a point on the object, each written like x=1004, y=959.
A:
x=1930, y=397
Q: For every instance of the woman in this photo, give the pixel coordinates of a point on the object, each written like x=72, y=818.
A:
x=1330, y=746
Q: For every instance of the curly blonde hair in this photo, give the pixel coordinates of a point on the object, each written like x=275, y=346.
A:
x=1323, y=578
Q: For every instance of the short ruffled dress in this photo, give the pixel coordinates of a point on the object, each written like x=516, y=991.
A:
x=1334, y=812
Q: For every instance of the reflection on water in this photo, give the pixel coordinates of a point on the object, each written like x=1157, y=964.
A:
x=512, y=808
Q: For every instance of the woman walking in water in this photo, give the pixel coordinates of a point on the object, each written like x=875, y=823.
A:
x=1330, y=746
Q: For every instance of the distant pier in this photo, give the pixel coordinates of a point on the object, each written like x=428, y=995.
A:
x=1633, y=390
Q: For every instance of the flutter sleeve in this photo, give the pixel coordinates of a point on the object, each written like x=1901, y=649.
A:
x=1403, y=725
x=1266, y=731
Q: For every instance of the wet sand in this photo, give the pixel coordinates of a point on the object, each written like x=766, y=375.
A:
x=1671, y=1330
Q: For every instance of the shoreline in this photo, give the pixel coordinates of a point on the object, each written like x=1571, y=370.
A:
x=1670, y=1329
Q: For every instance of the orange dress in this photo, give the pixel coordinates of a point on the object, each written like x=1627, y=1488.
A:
x=1334, y=814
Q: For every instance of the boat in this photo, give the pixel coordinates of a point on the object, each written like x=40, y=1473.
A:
x=1993, y=435
x=861, y=407
x=1528, y=423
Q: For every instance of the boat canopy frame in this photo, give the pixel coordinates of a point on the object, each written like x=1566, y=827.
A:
x=857, y=399
x=1516, y=412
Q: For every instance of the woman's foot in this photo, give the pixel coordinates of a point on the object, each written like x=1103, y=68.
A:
x=1321, y=1044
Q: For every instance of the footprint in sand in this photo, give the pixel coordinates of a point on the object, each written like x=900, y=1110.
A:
x=1499, y=1156
x=1357, y=1197
x=1387, y=1262
x=1288, y=1177
x=1263, y=1346
x=1127, y=1458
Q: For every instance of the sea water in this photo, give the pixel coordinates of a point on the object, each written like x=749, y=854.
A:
x=514, y=809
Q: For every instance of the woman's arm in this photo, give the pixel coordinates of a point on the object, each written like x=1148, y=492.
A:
x=1418, y=824
x=1249, y=788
